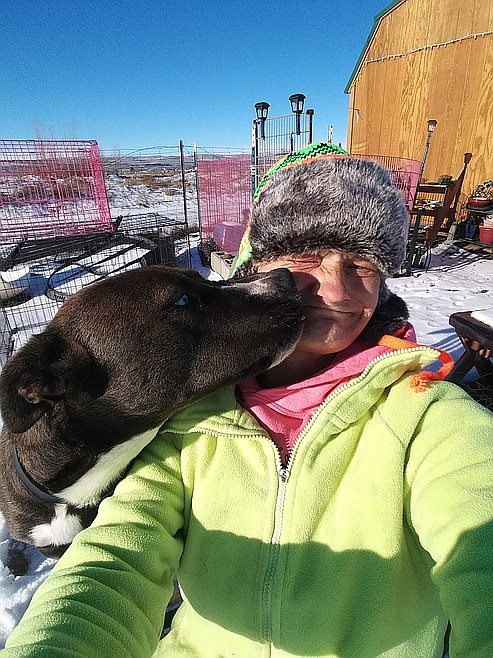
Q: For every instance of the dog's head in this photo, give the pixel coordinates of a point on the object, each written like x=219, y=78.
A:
x=136, y=347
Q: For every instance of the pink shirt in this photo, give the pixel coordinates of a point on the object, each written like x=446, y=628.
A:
x=284, y=411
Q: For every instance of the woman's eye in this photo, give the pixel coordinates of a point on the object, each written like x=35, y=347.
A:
x=362, y=270
x=183, y=301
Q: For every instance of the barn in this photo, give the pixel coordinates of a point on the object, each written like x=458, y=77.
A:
x=427, y=59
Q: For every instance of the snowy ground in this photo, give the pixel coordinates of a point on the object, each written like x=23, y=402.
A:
x=457, y=280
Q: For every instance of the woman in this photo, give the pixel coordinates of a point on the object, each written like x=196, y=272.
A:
x=340, y=504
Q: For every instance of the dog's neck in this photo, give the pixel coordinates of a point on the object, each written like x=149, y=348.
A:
x=37, y=490
x=96, y=477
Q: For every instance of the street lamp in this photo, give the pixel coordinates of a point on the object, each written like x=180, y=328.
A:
x=297, y=102
x=262, y=110
x=431, y=125
x=310, y=114
x=431, y=128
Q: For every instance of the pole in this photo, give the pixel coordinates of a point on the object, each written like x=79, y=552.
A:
x=183, y=182
x=310, y=125
x=298, y=123
x=184, y=188
x=196, y=166
x=254, y=156
x=425, y=155
x=422, y=167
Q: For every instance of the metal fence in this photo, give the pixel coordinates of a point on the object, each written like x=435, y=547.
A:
x=57, y=233
x=404, y=173
x=226, y=181
x=280, y=135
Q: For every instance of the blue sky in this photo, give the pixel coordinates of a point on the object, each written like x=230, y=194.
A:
x=141, y=74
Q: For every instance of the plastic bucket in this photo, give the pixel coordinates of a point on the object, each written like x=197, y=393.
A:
x=486, y=234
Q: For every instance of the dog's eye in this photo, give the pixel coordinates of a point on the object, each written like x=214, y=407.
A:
x=183, y=301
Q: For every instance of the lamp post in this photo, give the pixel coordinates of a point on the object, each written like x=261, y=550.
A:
x=310, y=114
x=431, y=128
x=297, y=101
x=262, y=110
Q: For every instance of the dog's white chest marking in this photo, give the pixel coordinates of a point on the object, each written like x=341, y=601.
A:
x=60, y=531
x=88, y=489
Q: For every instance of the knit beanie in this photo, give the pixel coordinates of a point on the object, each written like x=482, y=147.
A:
x=317, y=198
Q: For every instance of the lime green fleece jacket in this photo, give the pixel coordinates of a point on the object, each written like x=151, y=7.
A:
x=378, y=532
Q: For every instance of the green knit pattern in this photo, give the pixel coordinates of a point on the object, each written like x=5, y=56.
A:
x=310, y=152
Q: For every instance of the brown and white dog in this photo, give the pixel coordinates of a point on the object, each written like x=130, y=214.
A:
x=80, y=400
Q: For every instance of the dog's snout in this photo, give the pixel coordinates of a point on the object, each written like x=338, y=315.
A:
x=281, y=274
x=279, y=279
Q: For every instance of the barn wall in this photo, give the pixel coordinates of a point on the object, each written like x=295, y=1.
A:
x=392, y=98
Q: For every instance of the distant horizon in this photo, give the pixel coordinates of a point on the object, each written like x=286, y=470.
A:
x=217, y=148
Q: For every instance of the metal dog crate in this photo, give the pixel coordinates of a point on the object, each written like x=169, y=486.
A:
x=169, y=235
x=51, y=189
x=57, y=235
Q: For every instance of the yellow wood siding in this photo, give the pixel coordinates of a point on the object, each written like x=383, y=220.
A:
x=411, y=82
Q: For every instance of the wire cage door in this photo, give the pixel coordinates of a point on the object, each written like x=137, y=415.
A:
x=50, y=189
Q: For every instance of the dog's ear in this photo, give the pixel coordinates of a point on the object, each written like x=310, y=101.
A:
x=36, y=377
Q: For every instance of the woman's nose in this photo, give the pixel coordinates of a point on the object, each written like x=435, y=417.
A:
x=332, y=285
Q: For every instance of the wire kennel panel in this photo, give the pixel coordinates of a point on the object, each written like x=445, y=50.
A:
x=37, y=276
x=281, y=135
x=403, y=172
x=32, y=291
x=50, y=189
x=225, y=194
x=169, y=235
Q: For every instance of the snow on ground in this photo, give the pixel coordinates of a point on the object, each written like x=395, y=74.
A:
x=138, y=199
x=457, y=280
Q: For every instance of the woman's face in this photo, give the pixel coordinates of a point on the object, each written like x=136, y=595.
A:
x=339, y=291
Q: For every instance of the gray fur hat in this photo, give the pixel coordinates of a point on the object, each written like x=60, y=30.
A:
x=336, y=203
x=307, y=204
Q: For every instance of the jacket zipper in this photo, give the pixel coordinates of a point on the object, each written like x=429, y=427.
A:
x=284, y=473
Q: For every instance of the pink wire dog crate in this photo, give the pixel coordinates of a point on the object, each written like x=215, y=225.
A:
x=225, y=194
x=403, y=172
x=56, y=233
x=51, y=189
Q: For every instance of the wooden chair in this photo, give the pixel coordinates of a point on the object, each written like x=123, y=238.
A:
x=438, y=203
x=477, y=339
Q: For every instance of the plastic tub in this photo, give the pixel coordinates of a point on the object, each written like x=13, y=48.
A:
x=486, y=234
